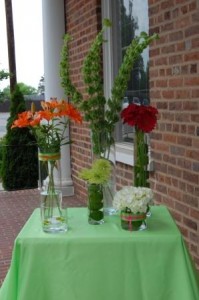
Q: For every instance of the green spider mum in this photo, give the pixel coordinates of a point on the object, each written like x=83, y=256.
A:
x=99, y=173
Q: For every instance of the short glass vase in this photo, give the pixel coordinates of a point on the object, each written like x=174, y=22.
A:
x=133, y=221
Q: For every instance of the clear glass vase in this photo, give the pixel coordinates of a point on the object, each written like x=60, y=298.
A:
x=133, y=222
x=95, y=204
x=141, y=174
x=53, y=215
x=104, y=147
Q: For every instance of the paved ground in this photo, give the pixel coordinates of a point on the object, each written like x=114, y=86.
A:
x=15, y=209
x=3, y=120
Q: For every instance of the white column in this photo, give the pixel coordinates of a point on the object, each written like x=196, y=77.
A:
x=53, y=32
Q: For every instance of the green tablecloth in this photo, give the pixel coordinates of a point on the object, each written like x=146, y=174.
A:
x=102, y=262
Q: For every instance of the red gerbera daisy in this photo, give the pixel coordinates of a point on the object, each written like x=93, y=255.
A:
x=144, y=117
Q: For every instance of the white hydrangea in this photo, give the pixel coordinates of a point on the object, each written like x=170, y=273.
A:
x=134, y=198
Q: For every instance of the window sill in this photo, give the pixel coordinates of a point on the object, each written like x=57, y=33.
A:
x=125, y=153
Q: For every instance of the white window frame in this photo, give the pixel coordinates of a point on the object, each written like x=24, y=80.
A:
x=124, y=150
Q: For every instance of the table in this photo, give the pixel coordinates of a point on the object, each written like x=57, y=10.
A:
x=101, y=262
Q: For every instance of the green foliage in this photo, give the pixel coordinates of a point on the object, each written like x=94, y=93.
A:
x=102, y=114
x=19, y=154
x=99, y=173
x=24, y=89
x=66, y=83
x=3, y=75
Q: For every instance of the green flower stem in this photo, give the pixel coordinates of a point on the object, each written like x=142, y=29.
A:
x=140, y=159
x=51, y=196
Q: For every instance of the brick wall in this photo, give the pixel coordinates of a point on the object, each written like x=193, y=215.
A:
x=174, y=88
x=83, y=23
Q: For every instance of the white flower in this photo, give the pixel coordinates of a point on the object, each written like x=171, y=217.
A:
x=135, y=198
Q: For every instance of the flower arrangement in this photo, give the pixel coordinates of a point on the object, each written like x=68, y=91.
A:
x=101, y=113
x=133, y=199
x=144, y=118
x=49, y=125
x=99, y=173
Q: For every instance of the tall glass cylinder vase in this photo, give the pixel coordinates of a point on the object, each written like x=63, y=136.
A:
x=109, y=189
x=103, y=146
x=141, y=174
x=140, y=159
x=53, y=216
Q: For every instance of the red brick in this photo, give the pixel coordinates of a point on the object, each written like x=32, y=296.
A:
x=194, y=237
x=182, y=22
x=191, y=105
x=193, y=30
x=175, y=59
x=194, y=81
x=195, y=42
x=182, y=94
x=170, y=138
x=182, y=208
x=190, y=223
x=183, y=163
x=173, y=171
x=193, y=154
x=195, y=118
x=168, y=94
x=190, y=177
x=167, y=4
x=187, y=141
x=176, y=215
x=195, y=214
x=175, y=82
x=176, y=36
x=194, y=56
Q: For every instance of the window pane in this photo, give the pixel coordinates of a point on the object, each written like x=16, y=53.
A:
x=132, y=21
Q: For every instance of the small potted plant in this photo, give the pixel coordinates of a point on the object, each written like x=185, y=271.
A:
x=133, y=203
x=97, y=176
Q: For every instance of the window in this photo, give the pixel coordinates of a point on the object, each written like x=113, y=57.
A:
x=129, y=18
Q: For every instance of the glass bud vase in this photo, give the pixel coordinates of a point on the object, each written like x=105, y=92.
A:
x=133, y=222
x=53, y=216
x=95, y=204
